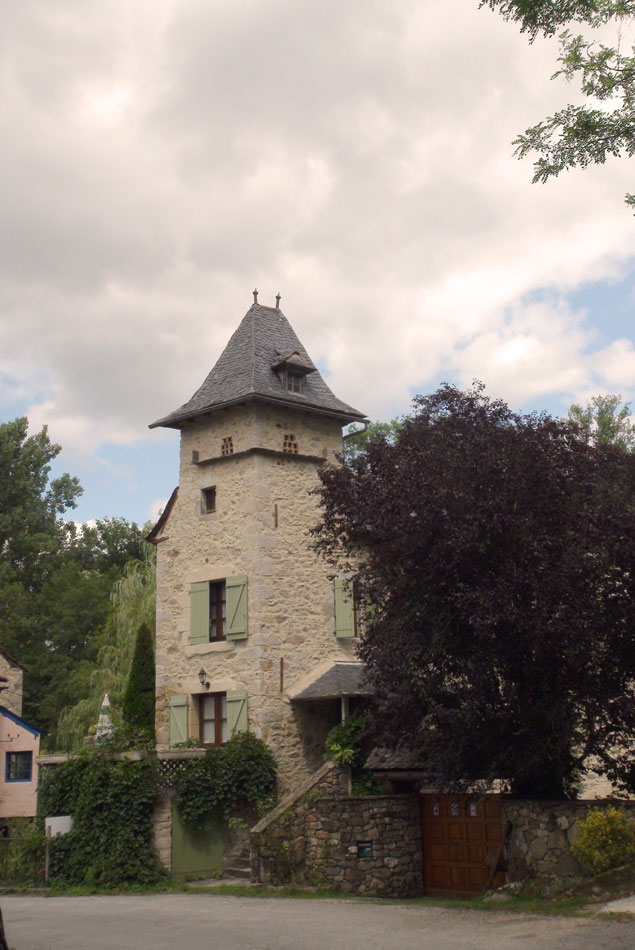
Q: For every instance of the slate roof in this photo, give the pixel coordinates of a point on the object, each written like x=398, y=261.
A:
x=245, y=371
x=330, y=681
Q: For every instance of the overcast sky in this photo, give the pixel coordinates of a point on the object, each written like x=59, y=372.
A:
x=161, y=158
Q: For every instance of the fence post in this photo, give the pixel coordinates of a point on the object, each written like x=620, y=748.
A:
x=46, y=857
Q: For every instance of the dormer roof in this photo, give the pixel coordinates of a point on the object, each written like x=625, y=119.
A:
x=253, y=366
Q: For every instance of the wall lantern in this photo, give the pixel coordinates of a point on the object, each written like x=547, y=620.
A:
x=202, y=675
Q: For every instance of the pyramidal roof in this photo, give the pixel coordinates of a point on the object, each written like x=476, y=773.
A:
x=249, y=368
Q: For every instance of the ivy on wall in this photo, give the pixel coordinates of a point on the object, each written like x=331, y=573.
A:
x=111, y=803
x=232, y=777
x=112, y=800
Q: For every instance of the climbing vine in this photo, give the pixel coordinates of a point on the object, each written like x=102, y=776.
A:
x=111, y=802
x=232, y=777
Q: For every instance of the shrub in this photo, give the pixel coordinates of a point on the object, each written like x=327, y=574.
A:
x=606, y=841
x=344, y=742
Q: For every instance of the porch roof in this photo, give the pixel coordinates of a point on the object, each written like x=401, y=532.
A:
x=332, y=680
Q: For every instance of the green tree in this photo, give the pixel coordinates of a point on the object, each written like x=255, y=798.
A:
x=356, y=439
x=587, y=134
x=132, y=602
x=31, y=529
x=138, y=699
x=497, y=552
x=605, y=421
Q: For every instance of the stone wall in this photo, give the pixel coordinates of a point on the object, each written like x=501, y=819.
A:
x=539, y=843
x=162, y=828
x=11, y=697
x=367, y=845
x=264, y=508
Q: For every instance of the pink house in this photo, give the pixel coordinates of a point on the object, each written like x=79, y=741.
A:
x=19, y=746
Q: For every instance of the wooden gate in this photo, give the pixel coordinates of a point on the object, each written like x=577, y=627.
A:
x=196, y=853
x=462, y=844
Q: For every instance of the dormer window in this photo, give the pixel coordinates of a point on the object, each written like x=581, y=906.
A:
x=295, y=382
x=292, y=370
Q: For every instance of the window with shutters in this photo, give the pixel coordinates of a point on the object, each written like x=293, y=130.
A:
x=213, y=719
x=218, y=610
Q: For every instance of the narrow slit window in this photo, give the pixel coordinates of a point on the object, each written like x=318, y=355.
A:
x=208, y=500
x=227, y=447
x=290, y=446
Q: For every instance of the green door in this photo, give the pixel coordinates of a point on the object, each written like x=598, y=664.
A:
x=198, y=852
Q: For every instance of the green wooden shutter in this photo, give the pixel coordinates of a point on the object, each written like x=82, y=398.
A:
x=236, y=712
x=178, y=719
x=199, y=612
x=236, y=590
x=344, y=616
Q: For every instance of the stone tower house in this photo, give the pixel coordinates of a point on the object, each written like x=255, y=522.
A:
x=251, y=633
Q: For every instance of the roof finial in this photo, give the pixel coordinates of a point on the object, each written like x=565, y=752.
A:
x=255, y=296
x=277, y=301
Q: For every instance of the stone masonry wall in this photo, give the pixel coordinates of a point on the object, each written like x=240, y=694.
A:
x=539, y=845
x=11, y=697
x=162, y=828
x=316, y=838
x=264, y=508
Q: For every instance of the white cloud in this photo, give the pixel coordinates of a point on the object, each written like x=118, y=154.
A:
x=168, y=156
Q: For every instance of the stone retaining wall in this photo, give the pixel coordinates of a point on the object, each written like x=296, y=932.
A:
x=315, y=837
x=362, y=845
x=539, y=844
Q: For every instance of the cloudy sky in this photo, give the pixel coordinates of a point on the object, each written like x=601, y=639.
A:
x=161, y=158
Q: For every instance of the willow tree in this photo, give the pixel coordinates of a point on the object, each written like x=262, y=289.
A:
x=132, y=605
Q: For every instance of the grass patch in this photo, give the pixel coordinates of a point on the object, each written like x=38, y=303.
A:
x=571, y=906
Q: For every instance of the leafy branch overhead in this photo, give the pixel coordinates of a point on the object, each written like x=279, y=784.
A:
x=581, y=135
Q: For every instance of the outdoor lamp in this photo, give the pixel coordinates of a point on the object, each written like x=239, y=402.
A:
x=202, y=675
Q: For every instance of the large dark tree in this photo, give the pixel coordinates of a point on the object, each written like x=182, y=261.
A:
x=496, y=556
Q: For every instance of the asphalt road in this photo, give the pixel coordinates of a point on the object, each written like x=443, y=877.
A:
x=174, y=921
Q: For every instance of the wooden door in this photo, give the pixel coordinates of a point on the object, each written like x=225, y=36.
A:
x=462, y=840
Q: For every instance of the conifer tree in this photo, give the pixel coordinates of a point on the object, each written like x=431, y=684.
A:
x=138, y=700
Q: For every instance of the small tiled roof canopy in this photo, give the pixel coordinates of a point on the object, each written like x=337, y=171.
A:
x=248, y=368
x=331, y=680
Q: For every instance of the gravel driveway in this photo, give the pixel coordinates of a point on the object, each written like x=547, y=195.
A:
x=166, y=922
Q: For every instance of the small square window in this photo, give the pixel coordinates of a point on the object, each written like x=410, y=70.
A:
x=208, y=500
x=19, y=766
x=227, y=447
